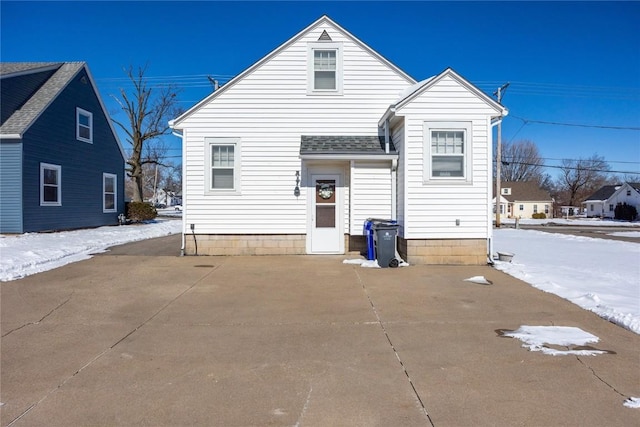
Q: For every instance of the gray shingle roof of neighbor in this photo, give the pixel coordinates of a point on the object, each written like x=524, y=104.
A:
x=343, y=144
x=22, y=118
x=603, y=193
x=607, y=191
x=524, y=191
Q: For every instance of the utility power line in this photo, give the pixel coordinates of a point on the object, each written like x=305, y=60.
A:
x=542, y=165
x=526, y=121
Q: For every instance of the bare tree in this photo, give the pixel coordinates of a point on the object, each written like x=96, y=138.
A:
x=582, y=177
x=521, y=161
x=148, y=112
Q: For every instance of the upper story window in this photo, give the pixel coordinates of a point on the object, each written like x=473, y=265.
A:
x=84, y=125
x=448, y=152
x=325, y=68
x=50, y=185
x=223, y=164
x=628, y=192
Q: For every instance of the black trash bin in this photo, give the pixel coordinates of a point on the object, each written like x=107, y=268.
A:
x=385, y=244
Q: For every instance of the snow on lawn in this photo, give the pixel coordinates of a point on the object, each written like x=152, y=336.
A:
x=594, y=222
x=31, y=253
x=597, y=274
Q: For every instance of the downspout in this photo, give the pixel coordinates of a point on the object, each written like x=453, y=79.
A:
x=494, y=123
x=394, y=190
x=184, y=220
x=386, y=136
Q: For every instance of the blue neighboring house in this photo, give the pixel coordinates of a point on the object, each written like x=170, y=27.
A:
x=61, y=162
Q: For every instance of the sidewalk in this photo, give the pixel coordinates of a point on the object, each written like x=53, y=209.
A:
x=125, y=339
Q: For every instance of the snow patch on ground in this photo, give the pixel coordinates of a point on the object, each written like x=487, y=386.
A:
x=30, y=253
x=539, y=338
x=599, y=275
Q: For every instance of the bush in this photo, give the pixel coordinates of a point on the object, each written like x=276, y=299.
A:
x=140, y=211
x=625, y=212
x=539, y=215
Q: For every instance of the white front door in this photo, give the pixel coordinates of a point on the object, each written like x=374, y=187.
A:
x=325, y=214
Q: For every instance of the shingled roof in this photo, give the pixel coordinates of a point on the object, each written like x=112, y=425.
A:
x=606, y=191
x=342, y=144
x=24, y=116
x=524, y=191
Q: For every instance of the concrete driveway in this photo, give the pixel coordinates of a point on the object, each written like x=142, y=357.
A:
x=127, y=339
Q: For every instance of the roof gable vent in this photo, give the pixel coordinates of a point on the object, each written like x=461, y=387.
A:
x=324, y=36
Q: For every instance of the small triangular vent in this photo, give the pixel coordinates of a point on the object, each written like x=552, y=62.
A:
x=324, y=36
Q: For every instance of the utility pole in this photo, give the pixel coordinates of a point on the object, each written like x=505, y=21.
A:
x=499, y=94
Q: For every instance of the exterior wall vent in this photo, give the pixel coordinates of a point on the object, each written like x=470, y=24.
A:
x=324, y=36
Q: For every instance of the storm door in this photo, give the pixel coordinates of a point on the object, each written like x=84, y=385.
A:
x=325, y=214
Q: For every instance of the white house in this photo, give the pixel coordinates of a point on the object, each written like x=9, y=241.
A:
x=523, y=199
x=295, y=153
x=603, y=202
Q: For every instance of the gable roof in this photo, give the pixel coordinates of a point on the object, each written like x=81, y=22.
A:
x=607, y=191
x=417, y=89
x=21, y=119
x=524, y=191
x=320, y=21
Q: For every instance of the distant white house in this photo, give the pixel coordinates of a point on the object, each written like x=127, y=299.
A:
x=523, y=200
x=603, y=202
x=166, y=197
x=295, y=153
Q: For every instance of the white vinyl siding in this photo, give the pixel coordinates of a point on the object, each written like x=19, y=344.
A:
x=50, y=185
x=432, y=208
x=371, y=193
x=269, y=109
x=109, y=192
x=84, y=125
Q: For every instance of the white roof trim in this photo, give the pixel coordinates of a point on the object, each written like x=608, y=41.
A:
x=426, y=84
x=175, y=123
x=326, y=156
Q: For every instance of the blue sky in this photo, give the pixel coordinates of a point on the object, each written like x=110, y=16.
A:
x=573, y=63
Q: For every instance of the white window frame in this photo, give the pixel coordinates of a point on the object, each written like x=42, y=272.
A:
x=237, y=162
x=58, y=169
x=105, y=176
x=467, y=167
x=80, y=112
x=311, y=49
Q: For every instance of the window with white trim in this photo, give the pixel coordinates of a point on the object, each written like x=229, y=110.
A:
x=109, y=192
x=223, y=164
x=50, y=185
x=325, y=68
x=84, y=125
x=535, y=209
x=447, y=150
